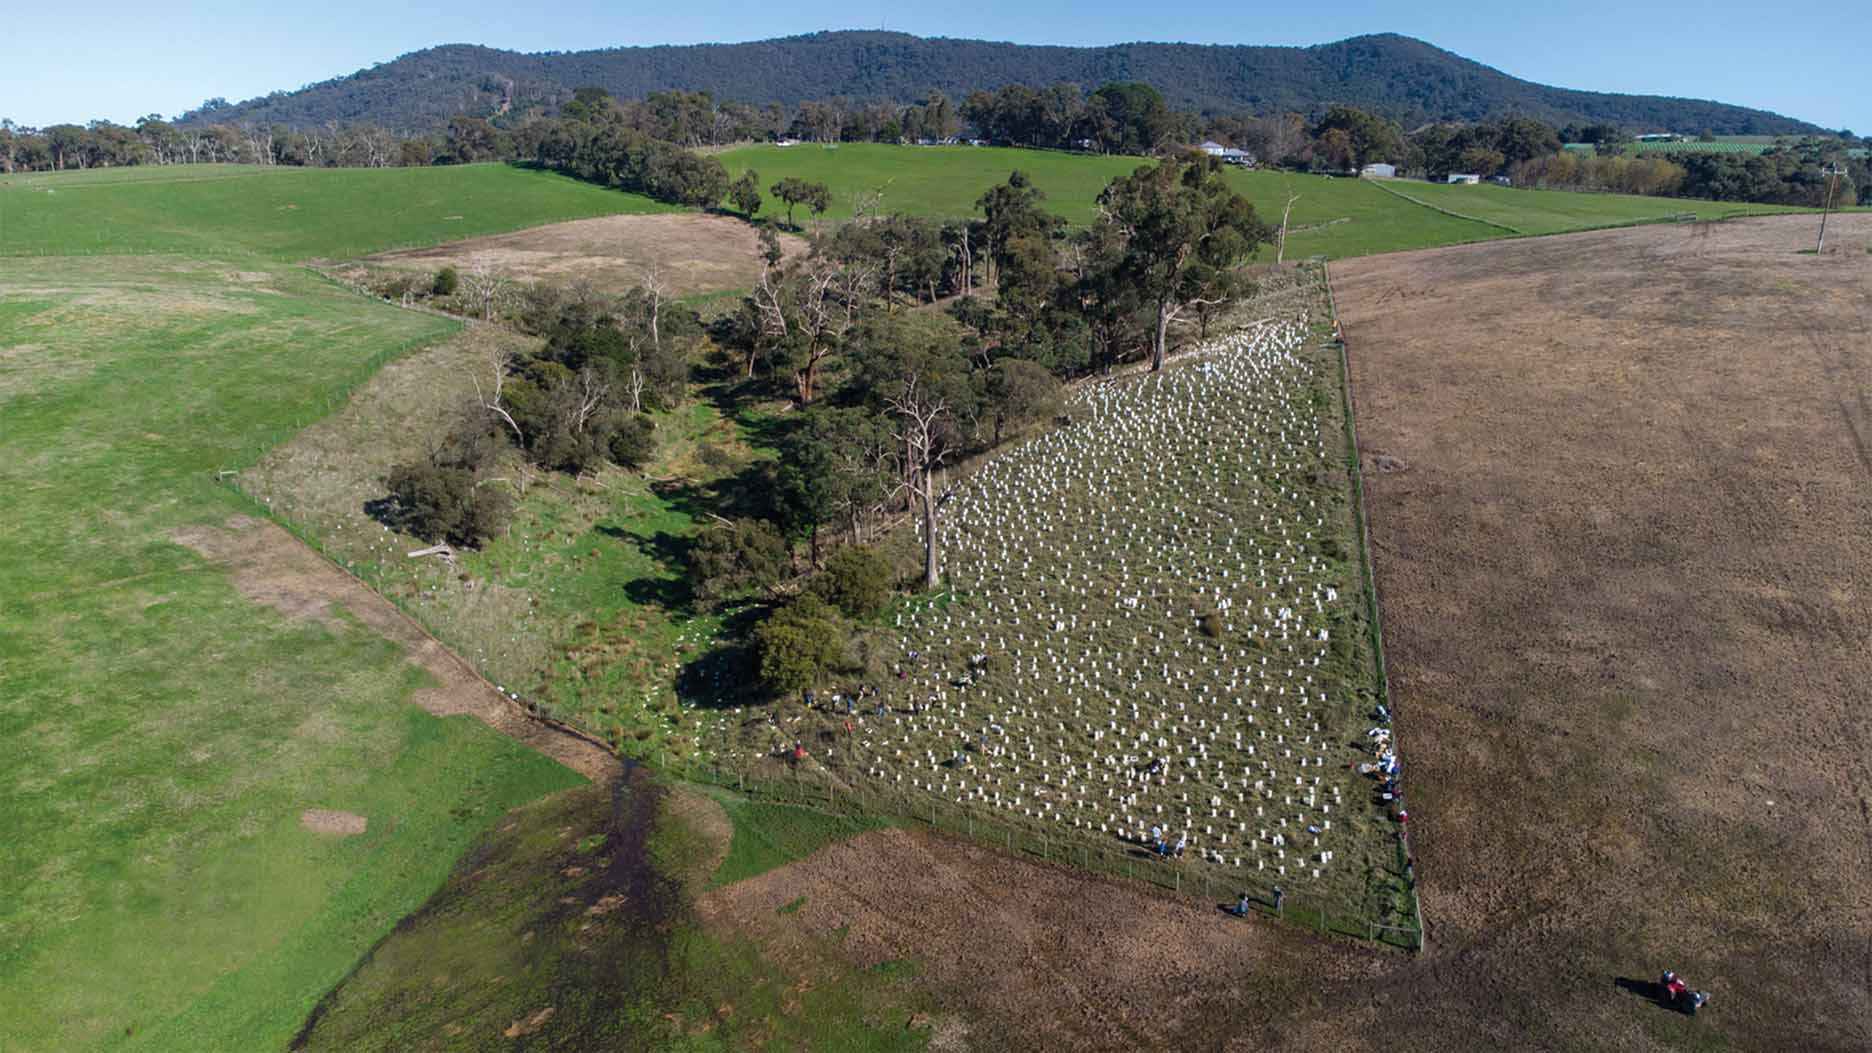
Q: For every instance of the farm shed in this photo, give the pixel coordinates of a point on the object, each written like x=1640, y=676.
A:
x=1378, y=171
x=1228, y=154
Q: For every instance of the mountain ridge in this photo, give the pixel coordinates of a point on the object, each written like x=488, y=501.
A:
x=1406, y=79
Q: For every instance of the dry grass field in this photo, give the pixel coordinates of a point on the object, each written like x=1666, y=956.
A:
x=691, y=252
x=1620, y=504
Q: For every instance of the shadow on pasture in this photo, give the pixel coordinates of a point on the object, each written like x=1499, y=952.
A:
x=385, y=510
x=746, y=494
x=721, y=676
x=1649, y=990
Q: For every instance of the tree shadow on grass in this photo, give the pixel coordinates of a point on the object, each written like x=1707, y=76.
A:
x=725, y=675
x=745, y=494
x=385, y=510
x=674, y=592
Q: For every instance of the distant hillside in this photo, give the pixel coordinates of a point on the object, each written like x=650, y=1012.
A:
x=1405, y=79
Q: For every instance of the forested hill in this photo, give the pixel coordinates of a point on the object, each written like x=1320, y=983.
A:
x=1402, y=78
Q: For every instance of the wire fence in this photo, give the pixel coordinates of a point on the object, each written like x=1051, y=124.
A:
x=812, y=788
x=1361, y=513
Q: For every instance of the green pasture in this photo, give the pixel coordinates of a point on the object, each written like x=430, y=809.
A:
x=1341, y=217
x=1525, y=211
x=286, y=213
x=769, y=835
x=938, y=181
x=162, y=733
x=1333, y=217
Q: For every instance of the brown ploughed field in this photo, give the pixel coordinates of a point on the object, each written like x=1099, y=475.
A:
x=1621, y=500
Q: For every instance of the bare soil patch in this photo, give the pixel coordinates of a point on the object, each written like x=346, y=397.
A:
x=271, y=566
x=1625, y=589
x=693, y=253
x=1047, y=957
x=328, y=821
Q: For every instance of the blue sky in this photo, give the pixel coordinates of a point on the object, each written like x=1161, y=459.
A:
x=120, y=60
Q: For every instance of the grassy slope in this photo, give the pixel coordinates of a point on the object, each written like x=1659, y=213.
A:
x=1559, y=211
x=581, y=604
x=286, y=213
x=769, y=835
x=161, y=732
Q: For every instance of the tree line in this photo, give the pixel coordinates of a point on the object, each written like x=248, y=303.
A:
x=650, y=145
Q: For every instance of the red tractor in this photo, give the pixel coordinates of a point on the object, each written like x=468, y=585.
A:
x=1675, y=994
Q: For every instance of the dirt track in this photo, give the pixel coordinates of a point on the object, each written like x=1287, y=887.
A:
x=270, y=566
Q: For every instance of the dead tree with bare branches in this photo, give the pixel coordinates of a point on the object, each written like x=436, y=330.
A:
x=921, y=413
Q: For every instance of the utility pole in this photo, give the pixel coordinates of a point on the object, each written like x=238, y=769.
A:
x=1832, y=172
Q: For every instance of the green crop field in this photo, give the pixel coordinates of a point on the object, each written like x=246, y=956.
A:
x=941, y=181
x=286, y=213
x=165, y=732
x=1557, y=211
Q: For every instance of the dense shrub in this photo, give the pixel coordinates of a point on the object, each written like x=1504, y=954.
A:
x=438, y=503
x=633, y=441
x=447, y=280
x=732, y=558
x=544, y=401
x=856, y=580
x=797, y=644
x=394, y=287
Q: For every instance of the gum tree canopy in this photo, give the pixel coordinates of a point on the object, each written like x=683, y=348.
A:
x=1176, y=234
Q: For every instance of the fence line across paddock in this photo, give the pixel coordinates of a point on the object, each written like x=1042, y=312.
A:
x=1361, y=512
x=1135, y=863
